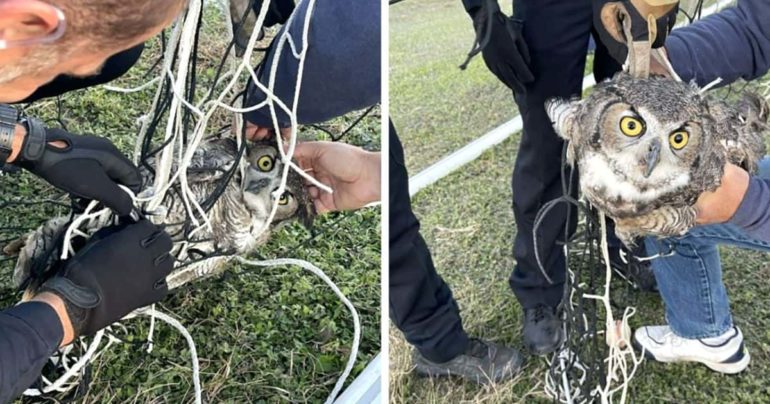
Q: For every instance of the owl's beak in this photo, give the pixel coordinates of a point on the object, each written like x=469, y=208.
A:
x=652, y=157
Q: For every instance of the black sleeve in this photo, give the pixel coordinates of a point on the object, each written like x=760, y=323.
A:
x=342, y=65
x=471, y=4
x=29, y=334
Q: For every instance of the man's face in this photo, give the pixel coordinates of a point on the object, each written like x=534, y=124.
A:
x=81, y=65
x=83, y=62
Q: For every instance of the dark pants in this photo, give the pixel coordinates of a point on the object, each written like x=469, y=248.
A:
x=421, y=304
x=114, y=67
x=557, y=33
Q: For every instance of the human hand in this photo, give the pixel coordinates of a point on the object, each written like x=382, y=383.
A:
x=255, y=132
x=353, y=174
x=505, y=54
x=86, y=166
x=609, y=18
x=720, y=205
x=120, y=269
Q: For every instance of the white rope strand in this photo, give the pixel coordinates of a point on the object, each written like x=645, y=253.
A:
x=353, y=312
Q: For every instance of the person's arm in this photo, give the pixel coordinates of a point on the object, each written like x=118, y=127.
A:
x=753, y=214
x=29, y=334
x=732, y=44
x=342, y=65
x=471, y=6
x=741, y=199
x=352, y=172
x=84, y=166
x=121, y=268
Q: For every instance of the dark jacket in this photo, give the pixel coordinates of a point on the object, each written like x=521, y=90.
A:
x=342, y=66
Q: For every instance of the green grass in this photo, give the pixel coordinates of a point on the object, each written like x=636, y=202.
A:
x=262, y=334
x=435, y=106
x=467, y=221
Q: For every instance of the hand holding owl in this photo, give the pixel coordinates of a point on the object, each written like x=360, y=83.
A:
x=719, y=206
x=353, y=174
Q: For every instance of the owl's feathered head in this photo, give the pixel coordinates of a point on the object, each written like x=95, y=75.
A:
x=649, y=131
x=644, y=143
x=262, y=179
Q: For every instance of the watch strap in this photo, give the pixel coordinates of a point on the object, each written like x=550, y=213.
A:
x=8, y=119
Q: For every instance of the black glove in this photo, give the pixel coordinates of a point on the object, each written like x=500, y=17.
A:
x=120, y=269
x=87, y=167
x=502, y=46
x=608, y=21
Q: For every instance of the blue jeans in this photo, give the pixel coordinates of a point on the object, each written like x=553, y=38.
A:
x=689, y=275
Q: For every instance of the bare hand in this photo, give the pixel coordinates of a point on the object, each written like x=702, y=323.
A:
x=353, y=173
x=255, y=132
x=720, y=206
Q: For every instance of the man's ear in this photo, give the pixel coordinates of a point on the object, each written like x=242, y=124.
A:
x=22, y=20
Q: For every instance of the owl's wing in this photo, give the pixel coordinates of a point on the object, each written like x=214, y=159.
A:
x=210, y=162
x=36, y=252
x=753, y=115
x=741, y=129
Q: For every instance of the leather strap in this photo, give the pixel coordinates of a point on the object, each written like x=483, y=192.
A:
x=84, y=298
x=34, y=143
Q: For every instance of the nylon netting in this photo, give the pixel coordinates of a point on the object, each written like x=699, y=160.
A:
x=183, y=112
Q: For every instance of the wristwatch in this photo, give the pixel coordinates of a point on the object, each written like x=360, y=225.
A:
x=9, y=117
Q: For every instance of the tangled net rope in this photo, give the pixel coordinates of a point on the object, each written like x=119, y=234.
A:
x=188, y=118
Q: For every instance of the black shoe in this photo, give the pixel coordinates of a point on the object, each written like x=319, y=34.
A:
x=543, y=332
x=482, y=362
x=638, y=273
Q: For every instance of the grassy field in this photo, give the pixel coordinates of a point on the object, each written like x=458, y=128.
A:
x=438, y=108
x=263, y=335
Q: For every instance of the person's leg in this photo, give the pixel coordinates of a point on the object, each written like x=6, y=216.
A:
x=557, y=35
x=700, y=327
x=421, y=304
x=689, y=273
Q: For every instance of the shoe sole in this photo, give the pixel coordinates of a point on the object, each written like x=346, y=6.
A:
x=721, y=367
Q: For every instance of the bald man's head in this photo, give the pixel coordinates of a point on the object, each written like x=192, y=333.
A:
x=93, y=31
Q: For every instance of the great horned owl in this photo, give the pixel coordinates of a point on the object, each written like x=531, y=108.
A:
x=647, y=148
x=237, y=216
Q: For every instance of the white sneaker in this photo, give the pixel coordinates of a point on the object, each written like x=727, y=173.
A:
x=724, y=354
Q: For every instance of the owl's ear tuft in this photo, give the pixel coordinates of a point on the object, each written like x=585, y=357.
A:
x=563, y=115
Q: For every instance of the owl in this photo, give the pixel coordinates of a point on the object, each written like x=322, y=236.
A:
x=647, y=148
x=238, y=212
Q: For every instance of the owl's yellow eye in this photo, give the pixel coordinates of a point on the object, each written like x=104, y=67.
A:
x=265, y=163
x=284, y=199
x=631, y=126
x=679, y=139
